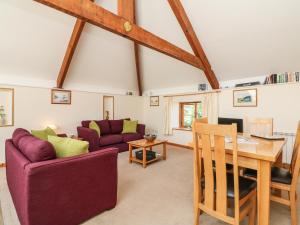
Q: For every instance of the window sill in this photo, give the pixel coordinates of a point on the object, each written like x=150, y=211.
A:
x=182, y=129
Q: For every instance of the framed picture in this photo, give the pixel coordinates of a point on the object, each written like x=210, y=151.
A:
x=108, y=107
x=61, y=97
x=6, y=107
x=154, y=101
x=245, y=98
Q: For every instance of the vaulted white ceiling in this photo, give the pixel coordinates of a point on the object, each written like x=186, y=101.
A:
x=241, y=39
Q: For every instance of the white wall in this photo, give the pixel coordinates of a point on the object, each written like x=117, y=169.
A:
x=33, y=110
x=154, y=120
x=280, y=102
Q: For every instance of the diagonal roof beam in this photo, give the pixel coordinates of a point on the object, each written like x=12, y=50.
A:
x=191, y=36
x=79, y=25
x=70, y=52
x=127, y=10
x=94, y=14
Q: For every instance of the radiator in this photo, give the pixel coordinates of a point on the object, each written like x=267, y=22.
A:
x=288, y=148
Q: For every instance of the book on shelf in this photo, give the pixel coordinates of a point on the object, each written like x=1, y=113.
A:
x=283, y=78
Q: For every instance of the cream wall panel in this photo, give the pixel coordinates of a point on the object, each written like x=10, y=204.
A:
x=33, y=110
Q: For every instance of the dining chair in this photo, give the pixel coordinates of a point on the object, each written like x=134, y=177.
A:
x=218, y=186
x=259, y=126
x=286, y=180
x=202, y=120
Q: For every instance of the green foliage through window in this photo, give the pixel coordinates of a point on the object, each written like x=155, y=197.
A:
x=188, y=112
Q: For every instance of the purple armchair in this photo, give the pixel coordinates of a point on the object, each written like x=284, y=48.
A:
x=66, y=191
x=111, y=135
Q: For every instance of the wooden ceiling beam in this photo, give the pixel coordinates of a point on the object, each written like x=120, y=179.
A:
x=95, y=14
x=79, y=25
x=192, y=38
x=77, y=30
x=127, y=10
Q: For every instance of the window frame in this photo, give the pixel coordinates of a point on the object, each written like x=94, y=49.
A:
x=181, y=112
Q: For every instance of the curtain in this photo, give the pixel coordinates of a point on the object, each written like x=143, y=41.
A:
x=211, y=107
x=168, y=116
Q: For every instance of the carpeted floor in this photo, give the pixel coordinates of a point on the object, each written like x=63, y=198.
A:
x=161, y=194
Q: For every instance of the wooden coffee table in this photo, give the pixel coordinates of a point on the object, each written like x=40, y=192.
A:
x=146, y=145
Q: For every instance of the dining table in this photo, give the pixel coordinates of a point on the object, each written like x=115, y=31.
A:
x=259, y=154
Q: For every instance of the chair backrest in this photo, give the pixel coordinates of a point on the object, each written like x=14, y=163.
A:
x=209, y=144
x=202, y=120
x=294, y=168
x=259, y=126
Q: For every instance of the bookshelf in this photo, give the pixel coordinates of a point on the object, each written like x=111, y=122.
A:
x=283, y=78
x=260, y=85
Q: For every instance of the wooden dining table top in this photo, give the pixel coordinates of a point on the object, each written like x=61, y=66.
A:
x=256, y=148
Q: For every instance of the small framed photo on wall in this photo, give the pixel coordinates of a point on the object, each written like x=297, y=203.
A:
x=154, y=100
x=61, y=97
x=245, y=98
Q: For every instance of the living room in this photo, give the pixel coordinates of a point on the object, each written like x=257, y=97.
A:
x=107, y=112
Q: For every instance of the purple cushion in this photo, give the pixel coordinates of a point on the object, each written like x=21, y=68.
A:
x=104, y=126
x=110, y=139
x=85, y=123
x=18, y=134
x=36, y=150
x=131, y=137
x=122, y=147
x=116, y=126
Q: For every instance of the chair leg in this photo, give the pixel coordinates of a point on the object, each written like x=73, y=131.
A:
x=293, y=209
x=198, y=197
x=196, y=215
x=252, y=214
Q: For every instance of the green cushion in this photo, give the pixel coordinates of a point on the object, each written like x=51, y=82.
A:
x=50, y=131
x=43, y=134
x=129, y=126
x=94, y=126
x=67, y=147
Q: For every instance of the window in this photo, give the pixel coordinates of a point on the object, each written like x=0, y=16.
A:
x=188, y=112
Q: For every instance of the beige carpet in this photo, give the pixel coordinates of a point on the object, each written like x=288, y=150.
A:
x=161, y=194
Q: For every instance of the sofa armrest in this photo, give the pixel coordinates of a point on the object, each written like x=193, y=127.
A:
x=90, y=136
x=85, y=184
x=141, y=129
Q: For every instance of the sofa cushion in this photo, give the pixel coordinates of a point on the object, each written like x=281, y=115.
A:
x=110, y=139
x=131, y=137
x=129, y=126
x=18, y=134
x=35, y=149
x=94, y=126
x=104, y=126
x=116, y=126
x=67, y=147
x=43, y=134
x=86, y=123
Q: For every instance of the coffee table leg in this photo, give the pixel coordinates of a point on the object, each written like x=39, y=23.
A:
x=144, y=157
x=130, y=153
x=164, y=151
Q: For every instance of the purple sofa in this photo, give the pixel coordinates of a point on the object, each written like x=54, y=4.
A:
x=111, y=135
x=66, y=191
